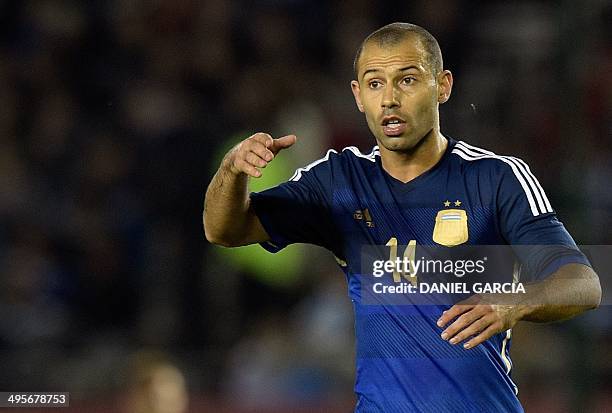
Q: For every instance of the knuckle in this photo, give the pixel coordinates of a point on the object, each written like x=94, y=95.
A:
x=483, y=327
x=260, y=150
x=254, y=159
x=473, y=329
x=241, y=165
x=464, y=318
x=242, y=151
x=261, y=137
x=247, y=146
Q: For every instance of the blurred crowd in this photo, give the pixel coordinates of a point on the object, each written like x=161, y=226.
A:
x=115, y=114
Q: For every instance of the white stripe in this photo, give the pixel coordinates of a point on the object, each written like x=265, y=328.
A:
x=357, y=152
x=543, y=201
x=370, y=157
x=516, y=272
x=532, y=204
x=298, y=173
x=474, y=151
x=506, y=359
x=522, y=166
x=546, y=201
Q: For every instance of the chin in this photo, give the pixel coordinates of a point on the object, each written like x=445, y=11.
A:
x=398, y=143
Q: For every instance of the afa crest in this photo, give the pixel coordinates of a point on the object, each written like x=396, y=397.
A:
x=451, y=227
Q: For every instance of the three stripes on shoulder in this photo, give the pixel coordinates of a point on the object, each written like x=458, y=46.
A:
x=538, y=201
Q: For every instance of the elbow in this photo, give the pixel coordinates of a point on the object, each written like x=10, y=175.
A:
x=593, y=291
x=596, y=294
x=216, y=237
x=213, y=236
x=221, y=242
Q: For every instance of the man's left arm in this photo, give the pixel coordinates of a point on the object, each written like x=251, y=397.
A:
x=571, y=290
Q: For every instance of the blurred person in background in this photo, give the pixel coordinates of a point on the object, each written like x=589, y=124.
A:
x=408, y=359
x=154, y=385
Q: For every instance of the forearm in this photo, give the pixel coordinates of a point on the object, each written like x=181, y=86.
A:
x=228, y=217
x=573, y=289
x=226, y=206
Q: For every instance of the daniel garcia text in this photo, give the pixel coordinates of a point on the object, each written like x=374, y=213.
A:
x=409, y=268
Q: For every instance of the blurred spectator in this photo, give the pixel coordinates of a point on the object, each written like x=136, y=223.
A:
x=155, y=385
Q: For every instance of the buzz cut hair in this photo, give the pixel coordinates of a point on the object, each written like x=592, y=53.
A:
x=394, y=33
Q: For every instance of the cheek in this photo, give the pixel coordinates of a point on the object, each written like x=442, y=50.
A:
x=369, y=110
x=424, y=106
x=370, y=120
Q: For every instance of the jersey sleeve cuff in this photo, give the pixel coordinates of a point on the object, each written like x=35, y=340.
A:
x=555, y=264
x=276, y=242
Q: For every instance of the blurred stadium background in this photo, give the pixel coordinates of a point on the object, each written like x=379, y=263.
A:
x=113, y=118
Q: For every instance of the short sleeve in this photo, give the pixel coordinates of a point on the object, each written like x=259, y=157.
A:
x=529, y=224
x=299, y=210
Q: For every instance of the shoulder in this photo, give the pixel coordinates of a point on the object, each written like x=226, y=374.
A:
x=510, y=173
x=486, y=160
x=336, y=162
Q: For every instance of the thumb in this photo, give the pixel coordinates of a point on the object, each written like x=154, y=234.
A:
x=282, y=143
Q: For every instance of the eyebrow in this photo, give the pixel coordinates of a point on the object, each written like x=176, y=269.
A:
x=403, y=69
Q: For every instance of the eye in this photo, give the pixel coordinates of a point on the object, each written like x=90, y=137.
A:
x=408, y=80
x=374, y=84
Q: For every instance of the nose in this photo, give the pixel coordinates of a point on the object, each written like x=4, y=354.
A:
x=390, y=97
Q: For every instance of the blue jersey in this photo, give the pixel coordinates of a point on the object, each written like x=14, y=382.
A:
x=346, y=201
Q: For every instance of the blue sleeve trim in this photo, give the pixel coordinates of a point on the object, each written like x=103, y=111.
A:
x=559, y=262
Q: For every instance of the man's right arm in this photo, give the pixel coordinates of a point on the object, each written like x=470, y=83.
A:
x=228, y=217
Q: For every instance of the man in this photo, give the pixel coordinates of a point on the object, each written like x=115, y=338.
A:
x=419, y=186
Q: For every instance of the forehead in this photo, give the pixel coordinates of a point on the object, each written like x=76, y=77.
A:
x=406, y=52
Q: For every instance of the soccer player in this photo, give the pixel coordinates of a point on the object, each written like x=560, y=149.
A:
x=419, y=185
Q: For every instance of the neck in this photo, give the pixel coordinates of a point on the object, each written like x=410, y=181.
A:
x=407, y=165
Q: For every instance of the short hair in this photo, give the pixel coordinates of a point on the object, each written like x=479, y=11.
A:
x=394, y=33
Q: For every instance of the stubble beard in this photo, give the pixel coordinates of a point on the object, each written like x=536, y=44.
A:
x=404, y=144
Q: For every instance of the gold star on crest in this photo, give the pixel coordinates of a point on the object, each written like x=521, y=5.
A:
x=447, y=203
x=457, y=203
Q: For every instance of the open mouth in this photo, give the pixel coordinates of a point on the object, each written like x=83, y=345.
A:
x=393, y=126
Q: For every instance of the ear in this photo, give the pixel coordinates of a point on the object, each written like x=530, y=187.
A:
x=445, y=85
x=355, y=89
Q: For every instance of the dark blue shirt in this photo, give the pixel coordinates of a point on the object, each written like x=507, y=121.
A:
x=346, y=201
